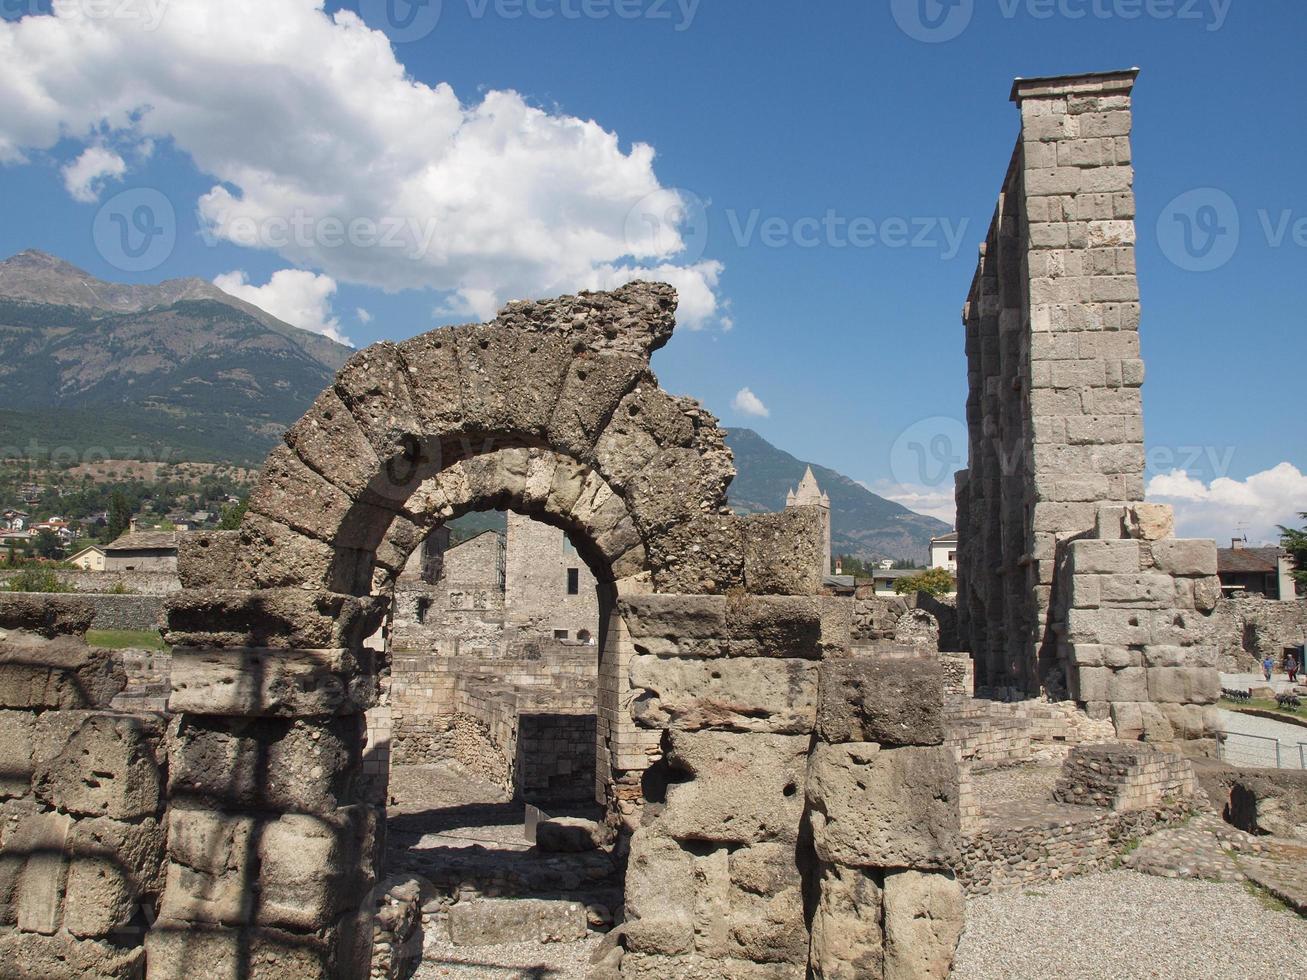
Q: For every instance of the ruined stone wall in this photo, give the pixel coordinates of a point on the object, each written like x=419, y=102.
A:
x=135, y=583
x=1056, y=433
x=720, y=864
x=82, y=860
x=1248, y=628
x=538, y=561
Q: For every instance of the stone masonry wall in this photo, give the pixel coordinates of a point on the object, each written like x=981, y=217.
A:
x=1056, y=429
x=83, y=800
x=1248, y=628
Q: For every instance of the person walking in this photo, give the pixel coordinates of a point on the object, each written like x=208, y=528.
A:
x=1291, y=667
x=1268, y=665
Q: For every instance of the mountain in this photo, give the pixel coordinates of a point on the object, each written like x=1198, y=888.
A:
x=181, y=371
x=181, y=367
x=862, y=524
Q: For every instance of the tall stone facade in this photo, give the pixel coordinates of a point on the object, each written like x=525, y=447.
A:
x=548, y=589
x=1069, y=584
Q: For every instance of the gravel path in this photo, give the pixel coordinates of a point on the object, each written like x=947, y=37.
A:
x=1254, y=749
x=1127, y=925
x=515, y=961
x=1032, y=782
x=1241, y=682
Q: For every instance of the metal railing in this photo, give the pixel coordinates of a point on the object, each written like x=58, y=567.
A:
x=1262, y=752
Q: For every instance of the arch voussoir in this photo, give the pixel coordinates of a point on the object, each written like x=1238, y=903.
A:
x=330, y=442
x=594, y=386
x=510, y=380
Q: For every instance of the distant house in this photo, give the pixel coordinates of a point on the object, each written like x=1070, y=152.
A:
x=92, y=559
x=142, y=551
x=944, y=552
x=1255, y=571
x=884, y=578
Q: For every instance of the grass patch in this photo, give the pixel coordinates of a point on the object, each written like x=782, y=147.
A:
x=1263, y=704
x=126, y=639
x=1264, y=898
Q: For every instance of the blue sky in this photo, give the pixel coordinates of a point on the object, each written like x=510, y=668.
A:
x=774, y=125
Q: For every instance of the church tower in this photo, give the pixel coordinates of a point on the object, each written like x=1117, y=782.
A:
x=808, y=494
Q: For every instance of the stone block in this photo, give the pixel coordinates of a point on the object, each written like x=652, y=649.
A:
x=291, y=493
x=199, y=952
x=16, y=731
x=312, y=868
x=62, y=673
x=767, y=928
x=703, y=556
x=1110, y=627
x=329, y=440
x=1150, y=590
x=1108, y=684
x=272, y=618
x=675, y=625
x=27, y=956
x=743, y=788
x=878, y=808
x=893, y=702
x=135, y=850
x=374, y=386
x=774, y=626
x=730, y=694
x=848, y=942
x=306, y=765
x=785, y=553
x=923, y=922
x=1093, y=556
x=510, y=380
x=1151, y=522
x=494, y=921
x=592, y=389
x=212, y=871
x=1188, y=557
x=647, y=421
x=570, y=835
x=660, y=894
x=271, y=682
x=37, y=853
x=1183, y=685
x=47, y=615
x=105, y=767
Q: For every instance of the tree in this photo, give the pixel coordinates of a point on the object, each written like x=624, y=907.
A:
x=935, y=581
x=47, y=544
x=120, y=515
x=232, y=516
x=1294, y=541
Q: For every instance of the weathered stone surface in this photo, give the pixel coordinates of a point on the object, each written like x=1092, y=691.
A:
x=271, y=682
x=643, y=966
x=61, y=957
x=847, y=938
x=774, y=626
x=197, y=952
x=644, y=423
x=1185, y=556
x=211, y=872
x=16, y=730
x=675, y=625
x=892, y=702
x=678, y=485
x=730, y=694
x=509, y=380
x=594, y=386
x=784, y=554
x=374, y=386
x=431, y=360
x=34, y=871
x=272, y=618
x=47, y=615
x=563, y=835
x=60, y=673
x=291, y=493
x=1151, y=522
x=312, y=869
x=493, y=921
x=923, y=923
x=330, y=441
x=265, y=764
x=660, y=894
x=890, y=808
x=106, y=767
x=745, y=788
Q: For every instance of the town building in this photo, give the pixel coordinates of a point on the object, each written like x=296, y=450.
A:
x=142, y=551
x=92, y=559
x=944, y=552
x=1255, y=571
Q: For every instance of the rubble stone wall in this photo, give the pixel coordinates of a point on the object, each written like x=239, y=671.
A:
x=1248, y=628
x=136, y=583
x=1056, y=595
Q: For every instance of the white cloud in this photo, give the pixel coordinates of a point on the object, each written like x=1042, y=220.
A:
x=324, y=150
x=85, y=177
x=363, y=316
x=301, y=298
x=747, y=403
x=937, y=502
x=1225, y=507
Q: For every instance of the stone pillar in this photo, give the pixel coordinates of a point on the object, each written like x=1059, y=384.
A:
x=272, y=852
x=882, y=793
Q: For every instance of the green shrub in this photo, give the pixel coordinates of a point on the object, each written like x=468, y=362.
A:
x=936, y=581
